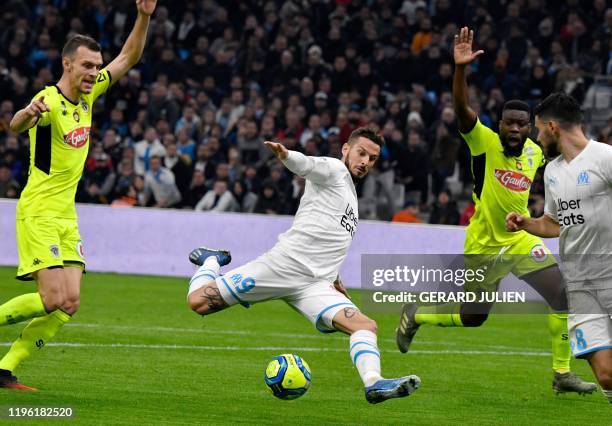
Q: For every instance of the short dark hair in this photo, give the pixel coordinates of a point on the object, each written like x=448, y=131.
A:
x=561, y=107
x=517, y=105
x=368, y=133
x=78, y=40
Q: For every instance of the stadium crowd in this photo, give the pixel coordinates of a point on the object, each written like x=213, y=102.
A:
x=185, y=128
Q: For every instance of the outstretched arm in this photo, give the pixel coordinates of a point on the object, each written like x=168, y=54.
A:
x=320, y=170
x=134, y=45
x=463, y=55
x=543, y=226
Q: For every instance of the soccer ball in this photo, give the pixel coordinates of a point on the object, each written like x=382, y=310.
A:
x=287, y=376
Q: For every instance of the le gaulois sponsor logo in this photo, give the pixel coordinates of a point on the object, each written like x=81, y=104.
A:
x=513, y=180
x=77, y=138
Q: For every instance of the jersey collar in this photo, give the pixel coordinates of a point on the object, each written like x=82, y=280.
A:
x=65, y=97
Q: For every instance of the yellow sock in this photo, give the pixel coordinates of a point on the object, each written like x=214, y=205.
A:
x=21, y=308
x=432, y=315
x=36, y=334
x=561, y=351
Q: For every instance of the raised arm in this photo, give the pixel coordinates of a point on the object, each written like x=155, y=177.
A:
x=319, y=170
x=463, y=55
x=131, y=52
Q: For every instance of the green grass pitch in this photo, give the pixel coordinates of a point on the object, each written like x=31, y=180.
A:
x=135, y=354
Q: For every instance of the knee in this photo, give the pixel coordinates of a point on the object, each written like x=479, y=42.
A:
x=370, y=325
x=604, y=377
x=198, y=305
x=52, y=300
x=71, y=305
x=473, y=320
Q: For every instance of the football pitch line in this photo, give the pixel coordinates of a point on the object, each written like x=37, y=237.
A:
x=275, y=348
x=337, y=336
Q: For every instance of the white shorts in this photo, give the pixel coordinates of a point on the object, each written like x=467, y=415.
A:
x=590, y=320
x=254, y=282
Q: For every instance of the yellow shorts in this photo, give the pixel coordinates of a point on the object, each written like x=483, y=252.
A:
x=525, y=256
x=44, y=242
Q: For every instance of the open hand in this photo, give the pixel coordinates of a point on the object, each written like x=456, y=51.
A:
x=277, y=149
x=463, y=47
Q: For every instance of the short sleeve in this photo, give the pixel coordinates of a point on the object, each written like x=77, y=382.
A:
x=605, y=162
x=480, y=138
x=550, y=205
x=103, y=82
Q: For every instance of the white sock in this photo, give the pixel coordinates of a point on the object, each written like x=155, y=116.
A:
x=206, y=273
x=366, y=356
x=607, y=394
x=212, y=264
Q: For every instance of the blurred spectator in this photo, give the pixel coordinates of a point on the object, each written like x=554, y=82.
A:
x=218, y=199
x=444, y=210
x=9, y=188
x=126, y=197
x=185, y=145
x=162, y=105
x=125, y=178
x=160, y=183
x=197, y=189
x=244, y=201
x=179, y=168
x=409, y=214
x=145, y=149
x=269, y=201
x=413, y=167
x=249, y=142
x=444, y=156
x=218, y=78
x=99, y=177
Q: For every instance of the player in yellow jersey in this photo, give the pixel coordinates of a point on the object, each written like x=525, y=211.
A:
x=503, y=166
x=50, y=248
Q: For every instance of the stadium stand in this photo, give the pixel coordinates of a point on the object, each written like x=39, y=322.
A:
x=185, y=128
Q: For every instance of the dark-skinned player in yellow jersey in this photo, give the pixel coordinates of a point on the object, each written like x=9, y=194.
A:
x=503, y=167
x=51, y=252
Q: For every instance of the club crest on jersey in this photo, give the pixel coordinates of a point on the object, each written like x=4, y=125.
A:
x=538, y=253
x=513, y=180
x=54, y=250
x=76, y=116
x=84, y=106
x=77, y=138
x=583, y=178
x=519, y=165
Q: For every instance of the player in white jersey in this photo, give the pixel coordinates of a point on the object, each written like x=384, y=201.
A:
x=578, y=185
x=303, y=267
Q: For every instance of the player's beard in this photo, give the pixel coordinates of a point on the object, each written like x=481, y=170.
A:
x=348, y=166
x=510, y=151
x=552, y=151
x=551, y=147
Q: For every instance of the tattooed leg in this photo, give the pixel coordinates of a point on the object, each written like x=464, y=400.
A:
x=207, y=300
x=350, y=320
